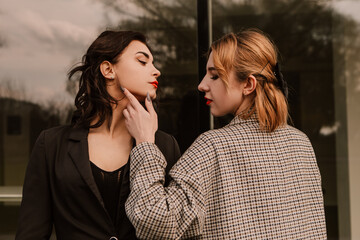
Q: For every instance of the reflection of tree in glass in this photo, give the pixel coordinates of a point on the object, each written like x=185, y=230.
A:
x=303, y=30
x=11, y=89
x=168, y=24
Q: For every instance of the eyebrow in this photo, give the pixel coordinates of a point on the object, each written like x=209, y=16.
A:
x=145, y=54
x=211, y=69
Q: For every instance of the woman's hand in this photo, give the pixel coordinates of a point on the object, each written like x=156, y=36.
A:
x=140, y=123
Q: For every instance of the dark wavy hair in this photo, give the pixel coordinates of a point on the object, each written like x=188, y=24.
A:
x=92, y=100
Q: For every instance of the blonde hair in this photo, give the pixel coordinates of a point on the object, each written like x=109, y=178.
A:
x=251, y=52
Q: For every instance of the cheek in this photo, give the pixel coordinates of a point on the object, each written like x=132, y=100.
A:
x=131, y=80
x=219, y=90
x=221, y=101
x=134, y=83
x=225, y=101
x=136, y=87
x=139, y=87
x=136, y=79
x=128, y=74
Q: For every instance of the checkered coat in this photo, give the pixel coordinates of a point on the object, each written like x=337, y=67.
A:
x=237, y=182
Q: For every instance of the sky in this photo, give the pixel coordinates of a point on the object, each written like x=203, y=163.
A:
x=44, y=38
x=348, y=7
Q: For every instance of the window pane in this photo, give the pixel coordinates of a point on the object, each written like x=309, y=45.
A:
x=316, y=40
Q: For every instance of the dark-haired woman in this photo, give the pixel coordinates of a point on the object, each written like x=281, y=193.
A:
x=256, y=178
x=77, y=178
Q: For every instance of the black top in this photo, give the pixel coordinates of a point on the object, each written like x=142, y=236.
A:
x=109, y=184
x=60, y=189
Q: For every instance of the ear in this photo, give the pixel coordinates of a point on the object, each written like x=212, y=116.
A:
x=107, y=70
x=250, y=85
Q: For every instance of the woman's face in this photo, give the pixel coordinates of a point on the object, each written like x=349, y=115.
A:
x=136, y=72
x=222, y=100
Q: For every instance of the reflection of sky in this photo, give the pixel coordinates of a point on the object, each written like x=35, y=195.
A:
x=351, y=8
x=43, y=38
x=348, y=7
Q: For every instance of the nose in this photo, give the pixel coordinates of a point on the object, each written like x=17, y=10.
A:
x=156, y=72
x=203, y=87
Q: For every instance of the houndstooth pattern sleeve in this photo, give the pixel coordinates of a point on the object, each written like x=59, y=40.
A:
x=166, y=213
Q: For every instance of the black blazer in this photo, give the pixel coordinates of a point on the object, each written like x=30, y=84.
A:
x=60, y=189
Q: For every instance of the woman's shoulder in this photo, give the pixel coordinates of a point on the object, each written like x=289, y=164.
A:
x=243, y=131
x=52, y=138
x=169, y=148
x=290, y=130
x=163, y=136
x=57, y=129
x=207, y=140
x=292, y=136
x=63, y=133
x=166, y=142
x=214, y=135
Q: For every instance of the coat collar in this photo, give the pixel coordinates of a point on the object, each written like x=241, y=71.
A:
x=77, y=134
x=79, y=154
x=240, y=120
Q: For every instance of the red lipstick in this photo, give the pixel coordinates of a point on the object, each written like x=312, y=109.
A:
x=155, y=83
x=208, y=101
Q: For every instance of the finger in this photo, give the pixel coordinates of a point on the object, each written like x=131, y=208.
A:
x=149, y=106
x=133, y=101
x=126, y=114
x=130, y=110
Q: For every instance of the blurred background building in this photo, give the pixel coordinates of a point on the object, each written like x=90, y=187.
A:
x=319, y=42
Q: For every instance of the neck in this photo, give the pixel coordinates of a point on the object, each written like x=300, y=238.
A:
x=114, y=125
x=243, y=106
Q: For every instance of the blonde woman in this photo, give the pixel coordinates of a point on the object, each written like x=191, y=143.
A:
x=256, y=178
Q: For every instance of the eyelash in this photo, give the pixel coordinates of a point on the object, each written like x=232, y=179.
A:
x=142, y=62
x=214, y=77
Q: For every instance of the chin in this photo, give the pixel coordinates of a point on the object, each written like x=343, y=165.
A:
x=141, y=95
x=217, y=114
x=141, y=98
x=152, y=95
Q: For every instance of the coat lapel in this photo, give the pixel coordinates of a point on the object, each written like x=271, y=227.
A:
x=78, y=151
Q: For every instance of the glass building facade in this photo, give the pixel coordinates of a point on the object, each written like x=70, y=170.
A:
x=319, y=42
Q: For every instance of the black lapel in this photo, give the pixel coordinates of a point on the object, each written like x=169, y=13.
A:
x=79, y=153
x=124, y=187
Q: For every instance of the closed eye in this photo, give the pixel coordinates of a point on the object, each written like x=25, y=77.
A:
x=142, y=62
x=214, y=77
